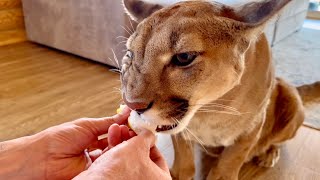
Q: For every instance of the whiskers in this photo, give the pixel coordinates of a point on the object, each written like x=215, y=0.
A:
x=219, y=108
x=132, y=28
x=116, y=90
x=115, y=60
x=123, y=40
x=122, y=37
x=118, y=71
x=128, y=30
x=188, y=132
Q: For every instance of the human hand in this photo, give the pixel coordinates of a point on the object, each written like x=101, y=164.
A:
x=69, y=145
x=60, y=152
x=137, y=158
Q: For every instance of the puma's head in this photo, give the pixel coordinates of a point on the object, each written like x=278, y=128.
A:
x=186, y=55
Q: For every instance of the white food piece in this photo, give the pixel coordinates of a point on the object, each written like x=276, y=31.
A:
x=137, y=124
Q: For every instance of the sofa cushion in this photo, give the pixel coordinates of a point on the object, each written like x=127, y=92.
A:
x=293, y=8
x=86, y=28
x=288, y=26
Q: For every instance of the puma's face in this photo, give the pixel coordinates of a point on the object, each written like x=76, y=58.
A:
x=180, y=58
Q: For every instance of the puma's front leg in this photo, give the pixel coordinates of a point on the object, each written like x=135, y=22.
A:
x=183, y=167
x=234, y=156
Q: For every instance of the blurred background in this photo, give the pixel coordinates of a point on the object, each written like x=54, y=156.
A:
x=59, y=61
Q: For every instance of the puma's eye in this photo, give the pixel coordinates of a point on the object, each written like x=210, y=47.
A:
x=184, y=59
x=129, y=54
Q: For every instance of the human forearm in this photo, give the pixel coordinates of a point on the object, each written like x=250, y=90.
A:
x=20, y=158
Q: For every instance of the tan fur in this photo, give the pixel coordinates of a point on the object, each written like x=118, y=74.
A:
x=310, y=93
x=237, y=110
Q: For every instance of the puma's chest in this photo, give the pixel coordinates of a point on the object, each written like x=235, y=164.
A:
x=214, y=134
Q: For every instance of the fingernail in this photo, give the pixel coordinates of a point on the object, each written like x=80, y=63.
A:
x=124, y=109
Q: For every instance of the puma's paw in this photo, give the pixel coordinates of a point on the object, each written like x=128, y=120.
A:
x=217, y=175
x=268, y=159
x=181, y=176
x=221, y=178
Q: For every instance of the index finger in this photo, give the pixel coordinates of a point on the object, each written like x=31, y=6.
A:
x=144, y=140
x=99, y=126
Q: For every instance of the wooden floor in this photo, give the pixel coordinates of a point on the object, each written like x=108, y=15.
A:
x=41, y=87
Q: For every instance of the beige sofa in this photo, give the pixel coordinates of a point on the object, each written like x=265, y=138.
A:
x=290, y=20
x=90, y=28
x=287, y=22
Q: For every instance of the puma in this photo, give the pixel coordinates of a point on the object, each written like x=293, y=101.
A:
x=202, y=71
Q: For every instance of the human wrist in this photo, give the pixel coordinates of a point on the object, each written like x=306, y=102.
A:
x=22, y=158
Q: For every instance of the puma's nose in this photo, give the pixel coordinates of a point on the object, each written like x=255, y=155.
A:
x=140, y=107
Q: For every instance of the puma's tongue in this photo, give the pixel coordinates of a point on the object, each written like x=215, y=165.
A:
x=137, y=124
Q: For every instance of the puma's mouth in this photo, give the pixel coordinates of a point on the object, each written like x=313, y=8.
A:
x=162, y=128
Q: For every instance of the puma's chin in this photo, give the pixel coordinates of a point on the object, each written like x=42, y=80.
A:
x=167, y=127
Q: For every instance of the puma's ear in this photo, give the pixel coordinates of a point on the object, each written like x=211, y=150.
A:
x=258, y=13
x=138, y=10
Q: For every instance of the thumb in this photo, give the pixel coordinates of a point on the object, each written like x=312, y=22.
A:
x=99, y=126
x=146, y=140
